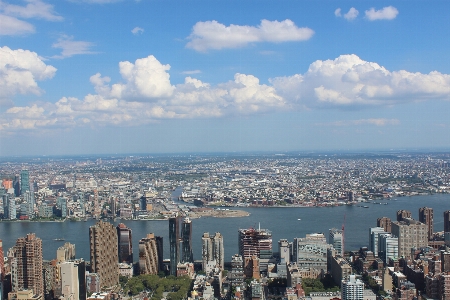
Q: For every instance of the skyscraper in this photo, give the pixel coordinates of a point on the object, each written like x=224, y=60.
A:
x=24, y=181
x=103, y=253
x=125, y=247
x=447, y=221
x=26, y=267
x=174, y=244
x=426, y=217
x=284, y=250
x=149, y=256
x=336, y=238
x=252, y=241
x=212, y=250
x=186, y=234
x=373, y=239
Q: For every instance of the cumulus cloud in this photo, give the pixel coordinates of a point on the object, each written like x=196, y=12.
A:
x=214, y=35
x=34, y=9
x=146, y=95
x=70, y=47
x=351, y=14
x=19, y=72
x=137, y=30
x=386, y=13
x=350, y=81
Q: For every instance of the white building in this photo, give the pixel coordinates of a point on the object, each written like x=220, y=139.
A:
x=352, y=289
x=373, y=239
x=387, y=246
x=336, y=238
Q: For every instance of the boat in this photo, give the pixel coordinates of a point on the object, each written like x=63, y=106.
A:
x=365, y=206
x=59, y=239
x=299, y=219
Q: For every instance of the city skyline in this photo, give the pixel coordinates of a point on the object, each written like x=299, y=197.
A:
x=112, y=76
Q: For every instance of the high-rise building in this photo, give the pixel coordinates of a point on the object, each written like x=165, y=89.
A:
x=212, y=250
x=24, y=181
x=284, y=251
x=311, y=251
x=187, y=255
x=386, y=223
x=252, y=241
x=336, y=239
x=26, y=265
x=387, y=247
x=403, y=214
x=149, y=257
x=373, y=239
x=125, y=247
x=103, y=253
x=236, y=274
x=66, y=252
x=69, y=280
x=16, y=185
x=447, y=221
x=426, y=217
x=411, y=234
x=352, y=289
x=174, y=244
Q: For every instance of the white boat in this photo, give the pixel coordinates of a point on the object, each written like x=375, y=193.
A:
x=299, y=219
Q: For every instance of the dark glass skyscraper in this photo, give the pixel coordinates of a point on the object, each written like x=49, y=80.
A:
x=186, y=233
x=24, y=181
x=174, y=244
x=125, y=246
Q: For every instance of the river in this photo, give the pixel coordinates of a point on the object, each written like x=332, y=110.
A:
x=283, y=222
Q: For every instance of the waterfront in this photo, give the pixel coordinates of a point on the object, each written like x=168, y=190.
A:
x=283, y=222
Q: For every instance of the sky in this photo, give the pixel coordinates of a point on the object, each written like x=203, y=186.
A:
x=146, y=76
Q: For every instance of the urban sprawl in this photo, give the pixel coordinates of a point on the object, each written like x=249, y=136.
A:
x=405, y=258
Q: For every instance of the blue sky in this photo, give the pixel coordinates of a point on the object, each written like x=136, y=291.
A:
x=104, y=76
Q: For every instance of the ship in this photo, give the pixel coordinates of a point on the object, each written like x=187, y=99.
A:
x=59, y=239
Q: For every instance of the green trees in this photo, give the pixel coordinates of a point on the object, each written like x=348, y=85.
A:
x=316, y=285
x=177, y=287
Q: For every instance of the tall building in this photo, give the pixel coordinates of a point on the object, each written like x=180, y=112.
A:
x=403, y=214
x=387, y=247
x=2, y=269
x=149, y=256
x=125, y=246
x=212, y=250
x=386, y=223
x=236, y=274
x=447, y=221
x=311, y=251
x=16, y=185
x=186, y=234
x=284, y=251
x=352, y=289
x=253, y=241
x=69, y=280
x=26, y=266
x=336, y=239
x=66, y=252
x=24, y=181
x=426, y=217
x=411, y=234
x=103, y=253
x=174, y=244
x=373, y=239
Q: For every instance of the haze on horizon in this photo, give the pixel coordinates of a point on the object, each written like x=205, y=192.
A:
x=141, y=76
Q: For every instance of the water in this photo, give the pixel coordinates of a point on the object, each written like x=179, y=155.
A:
x=283, y=222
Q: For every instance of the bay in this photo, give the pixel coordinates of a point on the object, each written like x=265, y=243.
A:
x=283, y=222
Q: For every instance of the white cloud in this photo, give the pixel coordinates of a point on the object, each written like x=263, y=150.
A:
x=387, y=13
x=350, y=81
x=146, y=95
x=137, y=30
x=146, y=79
x=70, y=47
x=19, y=71
x=34, y=9
x=191, y=72
x=337, y=12
x=14, y=26
x=360, y=122
x=214, y=35
x=351, y=14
